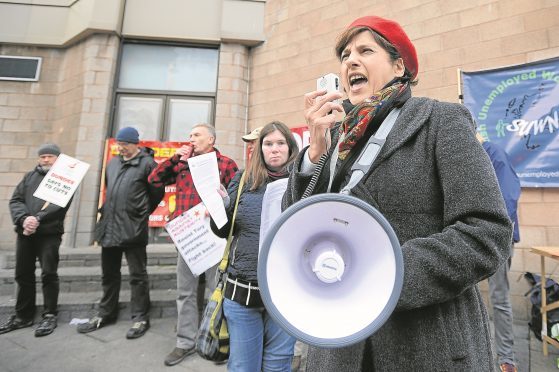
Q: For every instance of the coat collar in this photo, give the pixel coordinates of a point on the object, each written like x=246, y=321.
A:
x=135, y=161
x=413, y=115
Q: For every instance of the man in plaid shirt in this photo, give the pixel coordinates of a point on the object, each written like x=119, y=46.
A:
x=175, y=170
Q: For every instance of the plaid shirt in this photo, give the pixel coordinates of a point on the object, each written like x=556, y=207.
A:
x=176, y=171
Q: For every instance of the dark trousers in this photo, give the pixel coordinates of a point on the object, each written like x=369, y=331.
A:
x=111, y=258
x=28, y=249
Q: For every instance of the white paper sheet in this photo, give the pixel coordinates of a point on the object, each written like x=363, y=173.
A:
x=205, y=174
x=195, y=241
x=271, y=206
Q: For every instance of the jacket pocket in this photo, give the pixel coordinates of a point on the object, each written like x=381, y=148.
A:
x=453, y=334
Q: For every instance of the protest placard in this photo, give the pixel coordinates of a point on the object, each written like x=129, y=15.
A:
x=194, y=239
x=62, y=180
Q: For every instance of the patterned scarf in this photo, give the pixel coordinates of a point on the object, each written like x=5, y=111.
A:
x=362, y=115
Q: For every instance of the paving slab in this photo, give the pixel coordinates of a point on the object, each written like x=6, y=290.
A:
x=104, y=350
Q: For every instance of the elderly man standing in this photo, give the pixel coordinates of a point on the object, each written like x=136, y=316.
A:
x=39, y=226
x=176, y=170
x=123, y=228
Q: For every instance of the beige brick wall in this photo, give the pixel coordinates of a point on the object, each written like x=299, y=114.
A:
x=25, y=112
x=448, y=35
x=80, y=124
x=69, y=106
x=232, y=100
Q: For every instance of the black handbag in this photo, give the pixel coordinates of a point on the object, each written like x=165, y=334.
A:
x=212, y=340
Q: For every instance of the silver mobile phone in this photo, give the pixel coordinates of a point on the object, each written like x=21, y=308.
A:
x=330, y=82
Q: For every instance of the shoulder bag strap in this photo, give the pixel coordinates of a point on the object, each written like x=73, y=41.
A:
x=369, y=153
x=225, y=259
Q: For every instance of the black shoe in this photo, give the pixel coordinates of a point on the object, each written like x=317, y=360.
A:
x=177, y=355
x=138, y=329
x=46, y=325
x=14, y=323
x=94, y=324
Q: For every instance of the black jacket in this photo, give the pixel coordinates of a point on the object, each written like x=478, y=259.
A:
x=129, y=201
x=24, y=204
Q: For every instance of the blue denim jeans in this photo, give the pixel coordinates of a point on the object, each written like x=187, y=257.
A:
x=257, y=343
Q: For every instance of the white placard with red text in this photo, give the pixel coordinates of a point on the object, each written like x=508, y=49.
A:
x=62, y=180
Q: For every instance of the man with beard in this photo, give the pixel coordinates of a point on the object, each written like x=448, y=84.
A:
x=39, y=226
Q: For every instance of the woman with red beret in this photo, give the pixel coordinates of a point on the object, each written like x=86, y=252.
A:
x=433, y=183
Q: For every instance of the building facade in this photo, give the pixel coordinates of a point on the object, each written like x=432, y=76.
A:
x=160, y=67
x=238, y=64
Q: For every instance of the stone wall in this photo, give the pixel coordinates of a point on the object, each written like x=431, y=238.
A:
x=26, y=113
x=232, y=100
x=81, y=122
x=69, y=105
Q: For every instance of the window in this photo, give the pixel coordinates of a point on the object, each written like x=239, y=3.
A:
x=163, y=90
x=144, y=113
x=168, y=68
x=184, y=113
x=20, y=68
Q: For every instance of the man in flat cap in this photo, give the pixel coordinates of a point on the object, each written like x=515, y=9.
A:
x=39, y=226
x=123, y=229
x=250, y=140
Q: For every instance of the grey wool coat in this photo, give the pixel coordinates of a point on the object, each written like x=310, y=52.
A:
x=435, y=185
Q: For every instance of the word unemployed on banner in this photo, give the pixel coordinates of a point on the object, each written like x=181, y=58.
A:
x=517, y=108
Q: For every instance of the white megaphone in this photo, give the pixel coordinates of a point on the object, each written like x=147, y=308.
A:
x=330, y=270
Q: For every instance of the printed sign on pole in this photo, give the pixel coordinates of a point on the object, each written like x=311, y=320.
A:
x=62, y=180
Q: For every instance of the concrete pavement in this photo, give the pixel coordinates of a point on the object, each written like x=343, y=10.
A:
x=104, y=350
x=108, y=350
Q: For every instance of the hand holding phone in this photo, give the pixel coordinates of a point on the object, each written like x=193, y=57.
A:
x=320, y=106
x=330, y=83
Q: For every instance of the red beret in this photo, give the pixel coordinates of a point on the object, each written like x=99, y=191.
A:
x=396, y=35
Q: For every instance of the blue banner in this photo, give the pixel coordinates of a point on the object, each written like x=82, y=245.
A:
x=518, y=108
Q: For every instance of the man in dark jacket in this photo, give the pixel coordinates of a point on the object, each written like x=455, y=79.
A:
x=499, y=282
x=39, y=226
x=123, y=228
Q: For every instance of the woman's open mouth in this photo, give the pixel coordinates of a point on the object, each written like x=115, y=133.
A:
x=357, y=82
